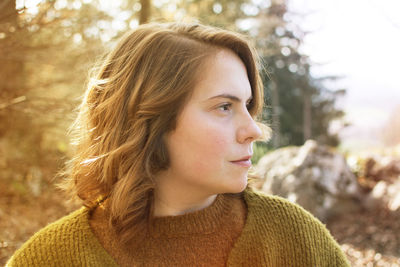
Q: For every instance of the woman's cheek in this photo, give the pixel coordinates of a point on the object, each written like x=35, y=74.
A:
x=215, y=143
x=209, y=139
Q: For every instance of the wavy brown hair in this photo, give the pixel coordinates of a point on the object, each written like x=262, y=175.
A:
x=132, y=102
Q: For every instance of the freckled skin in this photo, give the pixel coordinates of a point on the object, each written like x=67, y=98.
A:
x=211, y=132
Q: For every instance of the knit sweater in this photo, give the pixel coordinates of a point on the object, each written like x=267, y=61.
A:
x=276, y=233
x=201, y=238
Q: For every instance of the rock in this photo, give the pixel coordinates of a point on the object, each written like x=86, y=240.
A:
x=313, y=176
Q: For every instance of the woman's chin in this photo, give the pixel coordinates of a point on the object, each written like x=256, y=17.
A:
x=238, y=186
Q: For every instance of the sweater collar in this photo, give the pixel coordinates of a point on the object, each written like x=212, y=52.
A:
x=205, y=221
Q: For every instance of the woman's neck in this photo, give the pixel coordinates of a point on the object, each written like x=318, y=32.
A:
x=164, y=206
x=176, y=199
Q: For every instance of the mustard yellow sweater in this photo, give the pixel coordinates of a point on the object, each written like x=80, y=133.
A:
x=201, y=238
x=276, y=233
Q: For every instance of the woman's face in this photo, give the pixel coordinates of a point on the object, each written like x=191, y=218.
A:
x=210, y=148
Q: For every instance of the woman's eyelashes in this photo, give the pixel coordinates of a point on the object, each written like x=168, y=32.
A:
x=225, y=107
x=228, y=106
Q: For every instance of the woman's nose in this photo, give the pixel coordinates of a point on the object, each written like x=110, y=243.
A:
x=248, y=130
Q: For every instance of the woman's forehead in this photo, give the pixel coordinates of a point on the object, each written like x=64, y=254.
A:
x=222, y=74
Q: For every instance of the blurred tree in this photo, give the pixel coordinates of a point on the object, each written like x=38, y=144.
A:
x=302, y=107
x=12, y=91
x=11, y=69
x=144, y=11
x=45, y=50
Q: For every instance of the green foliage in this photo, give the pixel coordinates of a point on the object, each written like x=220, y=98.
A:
x=259, y=150
x=304, y=107
x=292, y=89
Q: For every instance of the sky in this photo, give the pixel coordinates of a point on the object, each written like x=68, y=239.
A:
x=359, y=40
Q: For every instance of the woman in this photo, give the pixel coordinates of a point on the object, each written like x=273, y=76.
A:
x=165, y=142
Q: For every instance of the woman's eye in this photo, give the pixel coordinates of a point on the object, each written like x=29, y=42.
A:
x=225, y=107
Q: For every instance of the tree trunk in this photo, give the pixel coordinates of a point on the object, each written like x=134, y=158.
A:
x=144, y=11
x=275, y=115
x=307, y=116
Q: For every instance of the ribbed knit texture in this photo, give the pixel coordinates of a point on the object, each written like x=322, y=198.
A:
x=201, y=238
x=276, y=233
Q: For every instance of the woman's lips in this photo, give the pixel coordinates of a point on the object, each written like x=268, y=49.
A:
x=245, y=162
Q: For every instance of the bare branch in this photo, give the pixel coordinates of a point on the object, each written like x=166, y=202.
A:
x=13, y=102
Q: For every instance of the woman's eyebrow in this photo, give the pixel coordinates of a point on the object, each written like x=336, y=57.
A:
x=231, y=97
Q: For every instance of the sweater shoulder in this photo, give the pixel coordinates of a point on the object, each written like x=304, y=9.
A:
x=290, y=225
x=268, y=206
x=68, y=241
